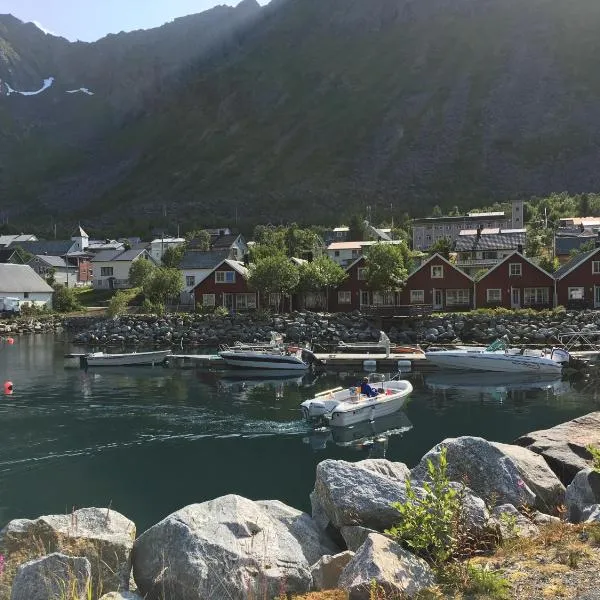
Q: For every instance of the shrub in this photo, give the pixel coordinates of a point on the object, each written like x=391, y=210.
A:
x=65, y=299
x=119, y=302
x=595, y=452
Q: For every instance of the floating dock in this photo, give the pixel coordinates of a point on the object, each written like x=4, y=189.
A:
x=196, y=361
x=341, y=360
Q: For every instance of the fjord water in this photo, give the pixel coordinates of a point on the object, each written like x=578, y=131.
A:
x=148, y=441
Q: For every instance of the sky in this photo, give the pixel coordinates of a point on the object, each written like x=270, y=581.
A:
x=89, y=20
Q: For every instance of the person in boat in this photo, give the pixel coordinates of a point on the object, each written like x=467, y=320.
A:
x=366, y=389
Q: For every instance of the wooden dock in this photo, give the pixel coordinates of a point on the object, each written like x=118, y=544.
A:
x=368, y=362
x=196, y=361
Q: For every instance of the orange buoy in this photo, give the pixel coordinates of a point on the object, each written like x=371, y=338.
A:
x=8, y=387
x=10, y=341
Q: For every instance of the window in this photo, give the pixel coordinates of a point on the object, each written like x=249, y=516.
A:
x=225, y=276
x=362, y=273
x=490, y=254
x=514, y=269
x=536, y=296
x=25, y=294
x=208, y=299
x=245, y=301
x=344, y=297
x=596, y=267
x=384, y=298
x=190, y=280
x=576, y=293
x=354, y=253
x=106, y=271
x=336, y=253
x=494, y=295
x=437, y=272
x=457, y=297
x=417, y=296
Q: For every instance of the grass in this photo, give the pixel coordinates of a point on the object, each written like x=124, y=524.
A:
x=88, y=296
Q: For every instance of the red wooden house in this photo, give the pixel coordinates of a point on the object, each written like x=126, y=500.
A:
x=439, y=284
x=226, y=285
x=516, y=282
x=578, y=281
x=352, y=293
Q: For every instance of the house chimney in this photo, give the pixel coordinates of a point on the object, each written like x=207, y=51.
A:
x=520, y=248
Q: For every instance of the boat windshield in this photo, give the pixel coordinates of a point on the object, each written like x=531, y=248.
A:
x=499, y=344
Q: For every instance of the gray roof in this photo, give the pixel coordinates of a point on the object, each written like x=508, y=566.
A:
x=6, y=254
x=16, y=279
x=574, y=263
x=7, y=240
x=118, y=255
x=53, y=261
x=224, y=241
x=194, y=259
x=50, y=247
x=490, y=241
x=564, y=244
x=79, y=232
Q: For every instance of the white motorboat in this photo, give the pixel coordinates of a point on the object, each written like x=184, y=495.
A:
x=347, y=406
x=264, y=359
x=497, y=357
x=102, y=359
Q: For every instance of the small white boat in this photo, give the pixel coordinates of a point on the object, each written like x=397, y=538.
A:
x=102, y=359
x=341, y=407
x=497, y=357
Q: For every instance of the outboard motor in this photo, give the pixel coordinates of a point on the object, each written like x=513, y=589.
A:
x=314, y=411
x=309, y=357
x=560, y=355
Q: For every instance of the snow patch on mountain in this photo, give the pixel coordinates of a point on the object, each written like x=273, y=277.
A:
x=81, y=90
x=5, y=87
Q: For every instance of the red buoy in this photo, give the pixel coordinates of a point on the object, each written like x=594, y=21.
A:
x=10, y=341
x=8, y=387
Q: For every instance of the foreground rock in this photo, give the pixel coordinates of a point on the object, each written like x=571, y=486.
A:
x=122, y=596
x=326, y=572
x=564, y=446
x=512, y=524
x=53, y=576
x=485, y=468
x=230, y=547
x=103, y=536
x=355, y=536
x=582, y=492
x=394, y=569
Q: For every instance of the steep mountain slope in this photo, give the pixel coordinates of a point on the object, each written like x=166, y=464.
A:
x=326, y=105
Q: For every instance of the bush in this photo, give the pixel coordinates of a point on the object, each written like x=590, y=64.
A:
x=65, y=299
x=595, y=452
x=120, y=301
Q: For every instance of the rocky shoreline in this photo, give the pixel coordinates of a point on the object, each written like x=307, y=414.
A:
x=237, y=548
x=191, y=330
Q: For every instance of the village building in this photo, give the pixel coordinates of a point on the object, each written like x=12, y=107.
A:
x=226, y=285
x=345, y=253
x=22, y=282
x=578, y=281
x=110, y=268
x=159, y=246
x=8, y=240
x=516, y=282
x=195, y=267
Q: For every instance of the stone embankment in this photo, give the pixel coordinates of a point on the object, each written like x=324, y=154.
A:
x=190, y=330
x=236, y=548
x=24, y=325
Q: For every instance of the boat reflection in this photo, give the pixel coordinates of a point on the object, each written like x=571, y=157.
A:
x=372, y=436
x=494, y=382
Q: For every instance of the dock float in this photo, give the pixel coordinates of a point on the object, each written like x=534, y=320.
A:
x=195, y=361
x=402, y=361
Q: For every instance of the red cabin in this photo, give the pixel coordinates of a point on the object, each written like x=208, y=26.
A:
x=578, y=281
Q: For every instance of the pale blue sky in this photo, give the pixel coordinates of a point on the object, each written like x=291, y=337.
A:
x=91, y=19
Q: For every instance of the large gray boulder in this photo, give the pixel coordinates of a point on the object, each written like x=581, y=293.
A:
x=53, y=576
x=512, y=524
x=103, y=536
x=327, y=570
x=487, y=470
x=564, y=446
x=383, y=561
x=230, y=547
x=583, y=491
x=539, y=477
x=347, y=494
x=355, y=536
x=394, y=470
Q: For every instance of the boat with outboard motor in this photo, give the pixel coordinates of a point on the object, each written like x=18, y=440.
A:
x=347, y=406
x=498, y=357
x=102, y=359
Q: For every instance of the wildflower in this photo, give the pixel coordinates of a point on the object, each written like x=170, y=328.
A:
x=1, y=564
x=520, y=483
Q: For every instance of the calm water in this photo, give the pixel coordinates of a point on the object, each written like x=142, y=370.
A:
x=150, y=440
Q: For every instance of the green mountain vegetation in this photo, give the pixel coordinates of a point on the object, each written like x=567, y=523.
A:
x=309, y=110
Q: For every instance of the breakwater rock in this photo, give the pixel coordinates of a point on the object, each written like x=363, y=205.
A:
x=191, y=330
x=24, y=325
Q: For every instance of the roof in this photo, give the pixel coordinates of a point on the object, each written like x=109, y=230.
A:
x=564, y=244
x=53, y=261
x=118, y=255
x=380, y=233
x=577, y=260
x=195, y=259
x=97, y=245
x=49, y=247
x=168, y=240
x=79, y=232
x=21, y=278
x=586, y=221
x=6, y=240
x=508, y=258
x=436, y=255
x=470, y=217
x=505, y=240
x=357, y=245
x=237, y=266
x=486, y=214
x=298, y=261
x=342, y=229
x=6, y=254
x=224, y=241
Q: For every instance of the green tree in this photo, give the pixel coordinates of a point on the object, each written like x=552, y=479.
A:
x=300, y=241
x=140, y=272
x=321, y=274
x=165, y=283
x=583, y=248
x=443, y=246
x=479, y=274
x=386, y=268
x=200, y=237
x=357, y=230
x=274, y=275
x=549, y=264
x=65, y=299
x=436, y=211
x=51, y=276
x=173, y=255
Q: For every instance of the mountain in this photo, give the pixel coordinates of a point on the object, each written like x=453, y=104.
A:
x=312, y=109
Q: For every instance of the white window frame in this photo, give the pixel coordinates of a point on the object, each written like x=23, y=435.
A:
x=576, y=293
x=361, y=273
x=493, y=297
x=417, y=296
x=456, y=297
x=596, y=267
x=208, y=300
x=188, y=279
x=516, y=274
x=541, y=295
x=434, y=269
x=245, y=301
x=344, y=297
x=223, y=276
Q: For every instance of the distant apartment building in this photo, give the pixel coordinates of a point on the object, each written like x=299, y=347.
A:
x=429, y=230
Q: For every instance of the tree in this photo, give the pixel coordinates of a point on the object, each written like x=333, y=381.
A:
x=300, y=241
x=164, y=284
x=65, y=299
x=386, y=269
x=479, y=274
x=549, y=264
x=357, y=230
x=583, y=248
x=51, y=276
x=443, y=246
x=436, y=211
x=321, y=274
x=274, y=275
x=140, y=272
x=200, y=237
x=173, y=255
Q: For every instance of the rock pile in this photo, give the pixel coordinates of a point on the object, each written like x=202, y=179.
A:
x=30, y=325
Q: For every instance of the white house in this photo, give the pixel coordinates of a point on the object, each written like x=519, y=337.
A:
x=21, y=281
x=195, y=266
x=110, y=268
x=43, y=265
x=159, y=246
x=345, y=253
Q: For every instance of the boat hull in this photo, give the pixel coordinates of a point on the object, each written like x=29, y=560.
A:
x=368, y=410
x=491, y=361
x=250, y=360
x=122, y=360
